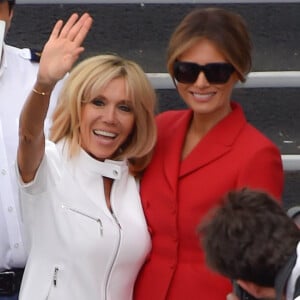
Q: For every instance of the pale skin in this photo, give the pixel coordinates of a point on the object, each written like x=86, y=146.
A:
x=59, y=54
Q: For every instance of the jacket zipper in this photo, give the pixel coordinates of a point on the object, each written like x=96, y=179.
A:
x=54, y=282
x=55, y=276
x=98, y=220
x=115, y=253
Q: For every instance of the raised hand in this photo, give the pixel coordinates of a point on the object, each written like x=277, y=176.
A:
x=63, y=48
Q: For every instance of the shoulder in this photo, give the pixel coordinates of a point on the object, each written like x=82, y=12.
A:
x=248, y=134
x=24, y=54
x=256, y=137
x=169, y=117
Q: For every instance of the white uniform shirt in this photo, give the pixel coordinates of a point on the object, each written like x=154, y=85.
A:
x=79, y=248
x=17, y=77
x=293, y=278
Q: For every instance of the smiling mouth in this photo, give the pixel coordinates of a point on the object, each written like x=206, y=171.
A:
x=105, y=133
x=202, y=96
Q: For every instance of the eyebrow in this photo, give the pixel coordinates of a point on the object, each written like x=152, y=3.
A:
x=105, y=98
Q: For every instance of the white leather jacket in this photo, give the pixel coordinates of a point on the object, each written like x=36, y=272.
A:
x=79, y=249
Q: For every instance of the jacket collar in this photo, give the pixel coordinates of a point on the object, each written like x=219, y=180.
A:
x=84, y=163
x=217, y=142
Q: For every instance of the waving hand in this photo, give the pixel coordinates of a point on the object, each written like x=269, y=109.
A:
x=63, y=48
x=59, y=54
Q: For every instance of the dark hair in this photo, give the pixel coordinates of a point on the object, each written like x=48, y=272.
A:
x=11, y=4
x=249, y=236
x=225, y=29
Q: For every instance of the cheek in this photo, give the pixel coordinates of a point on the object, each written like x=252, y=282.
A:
x=128, y=127
x=181, y=87
x=84, y=124
x=182, y=90
x=130, y=124
x=227, y=88
x=87, y=114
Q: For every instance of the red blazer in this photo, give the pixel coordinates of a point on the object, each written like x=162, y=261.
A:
x=177, y=194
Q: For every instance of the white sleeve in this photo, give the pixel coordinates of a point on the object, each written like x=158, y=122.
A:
x=48, y=173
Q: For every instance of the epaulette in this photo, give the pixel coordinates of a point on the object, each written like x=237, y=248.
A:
x=35, y=55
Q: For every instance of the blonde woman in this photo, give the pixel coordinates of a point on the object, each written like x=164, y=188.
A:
x=79, y=190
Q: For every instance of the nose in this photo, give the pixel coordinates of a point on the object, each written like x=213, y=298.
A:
x=109, y=115
x=201, y=80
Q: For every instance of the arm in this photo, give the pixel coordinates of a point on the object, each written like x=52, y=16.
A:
x=59, y=54
x=264, y=170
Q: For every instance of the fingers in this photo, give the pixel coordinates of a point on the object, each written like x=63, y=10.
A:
x=56, y=30
x=81, y=33
x=75, y=28
x=69, y=25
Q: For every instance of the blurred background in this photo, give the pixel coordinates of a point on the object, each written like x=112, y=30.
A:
x=141, y=32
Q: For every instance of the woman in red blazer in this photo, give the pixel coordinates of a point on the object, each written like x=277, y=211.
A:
x=201, y=154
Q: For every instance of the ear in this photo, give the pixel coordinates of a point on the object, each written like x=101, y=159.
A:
x=249, y=287
x=256, y=290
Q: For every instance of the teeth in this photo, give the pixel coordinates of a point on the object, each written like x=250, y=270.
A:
x=203, y=96
x=105, y=133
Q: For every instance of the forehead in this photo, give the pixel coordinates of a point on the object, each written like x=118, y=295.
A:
x=115, y=88
x=203, y=51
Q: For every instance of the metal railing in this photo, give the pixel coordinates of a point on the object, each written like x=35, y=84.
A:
x=276, y=79
x=254, y=80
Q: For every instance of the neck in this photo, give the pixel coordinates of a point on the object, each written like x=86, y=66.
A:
x=203, y=123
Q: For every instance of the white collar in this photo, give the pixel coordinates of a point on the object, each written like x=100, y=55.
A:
x=108, y=168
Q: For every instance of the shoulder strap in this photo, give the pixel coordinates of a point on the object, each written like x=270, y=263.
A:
x=35, y=55
x=29, y=54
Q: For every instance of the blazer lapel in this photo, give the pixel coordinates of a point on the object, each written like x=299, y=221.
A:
x=218, y=141
x=173, y=143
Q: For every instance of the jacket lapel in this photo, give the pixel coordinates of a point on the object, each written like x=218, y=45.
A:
x=173, y=143
x=217, y=142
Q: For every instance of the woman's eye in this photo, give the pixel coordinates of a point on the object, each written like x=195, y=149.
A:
x=98, y=102
x=125, y=108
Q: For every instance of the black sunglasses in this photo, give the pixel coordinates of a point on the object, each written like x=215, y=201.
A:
x=188, y=72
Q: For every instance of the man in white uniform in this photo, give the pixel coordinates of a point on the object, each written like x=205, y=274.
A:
x=18, y=68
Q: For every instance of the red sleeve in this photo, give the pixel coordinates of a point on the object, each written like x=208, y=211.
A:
x=264, y=170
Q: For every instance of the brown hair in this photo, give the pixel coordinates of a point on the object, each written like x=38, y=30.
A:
x=248, y=236
x=225, y=29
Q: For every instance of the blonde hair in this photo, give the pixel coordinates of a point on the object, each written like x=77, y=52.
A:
x=225, y=29
x=84, y=83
